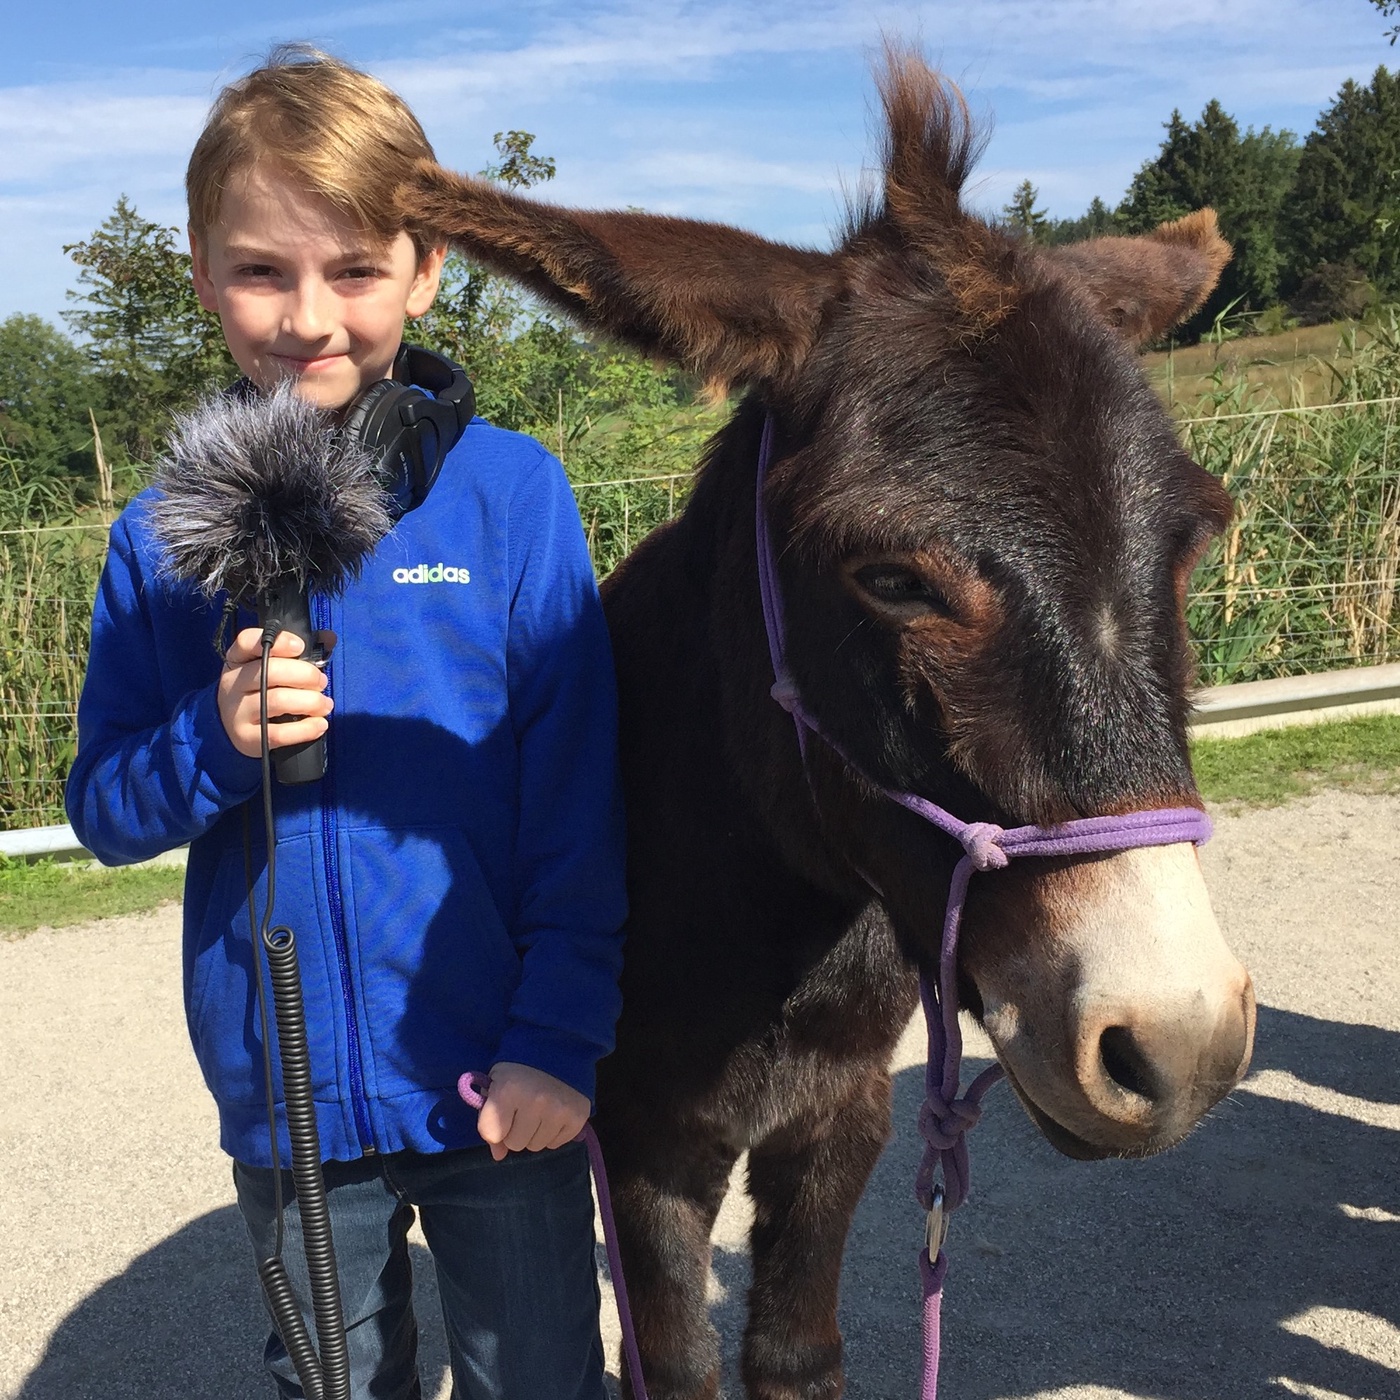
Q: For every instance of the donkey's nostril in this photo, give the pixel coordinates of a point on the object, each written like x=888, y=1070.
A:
x=1126, y=1064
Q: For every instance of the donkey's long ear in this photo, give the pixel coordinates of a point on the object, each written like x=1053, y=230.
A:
x=728, y=305
x=1146, y=285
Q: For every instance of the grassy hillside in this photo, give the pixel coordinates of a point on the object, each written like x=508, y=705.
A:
x=1294, y=366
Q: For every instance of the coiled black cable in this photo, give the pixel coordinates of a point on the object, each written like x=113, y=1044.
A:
x=324, y=1369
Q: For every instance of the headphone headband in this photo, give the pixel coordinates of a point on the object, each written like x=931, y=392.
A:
x=410, y=432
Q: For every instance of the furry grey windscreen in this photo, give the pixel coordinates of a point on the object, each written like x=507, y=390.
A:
x=258, y=488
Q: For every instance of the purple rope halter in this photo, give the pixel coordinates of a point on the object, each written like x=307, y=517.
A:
x=947, y=1113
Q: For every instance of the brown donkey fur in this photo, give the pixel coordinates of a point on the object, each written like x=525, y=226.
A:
x=983, y=524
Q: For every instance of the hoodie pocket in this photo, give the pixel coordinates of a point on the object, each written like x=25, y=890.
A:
x=208, y=950
x=436, y=962
x=225, y=1026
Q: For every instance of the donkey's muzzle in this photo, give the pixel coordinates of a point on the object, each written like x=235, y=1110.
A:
x=1124, y=1017
x=1148, y=1073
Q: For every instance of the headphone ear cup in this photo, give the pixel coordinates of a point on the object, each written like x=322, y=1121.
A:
x=366, y=418
x=407, y=431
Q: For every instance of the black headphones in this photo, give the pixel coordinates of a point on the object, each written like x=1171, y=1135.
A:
x=409, y=431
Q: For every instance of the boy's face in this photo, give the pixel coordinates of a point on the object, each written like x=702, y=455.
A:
x=304, y=293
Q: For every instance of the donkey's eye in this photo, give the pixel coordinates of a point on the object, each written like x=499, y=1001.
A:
x=902, y=589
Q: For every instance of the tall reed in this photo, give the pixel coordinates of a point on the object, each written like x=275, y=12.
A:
x=49, y=561
x=1305, y=579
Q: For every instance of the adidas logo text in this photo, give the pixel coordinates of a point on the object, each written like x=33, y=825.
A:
x=432, y=573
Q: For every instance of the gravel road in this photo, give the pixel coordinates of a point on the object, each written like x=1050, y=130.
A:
x=1260, y=1259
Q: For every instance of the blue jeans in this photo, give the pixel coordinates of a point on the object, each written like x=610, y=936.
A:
x=512, y=1243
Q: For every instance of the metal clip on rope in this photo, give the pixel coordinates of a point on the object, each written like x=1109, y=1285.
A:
x=936, y=1228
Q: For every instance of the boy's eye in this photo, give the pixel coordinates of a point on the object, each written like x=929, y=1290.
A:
x=255, y=270
x=359, y=273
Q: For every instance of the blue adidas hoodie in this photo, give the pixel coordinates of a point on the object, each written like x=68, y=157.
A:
x=455, y=881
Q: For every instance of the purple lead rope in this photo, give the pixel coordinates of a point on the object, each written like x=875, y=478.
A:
x=472, y=1088
x=948, y=1113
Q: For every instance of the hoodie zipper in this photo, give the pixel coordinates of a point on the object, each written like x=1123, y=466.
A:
x=358, y=1100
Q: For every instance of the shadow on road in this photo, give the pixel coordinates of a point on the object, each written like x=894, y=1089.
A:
x=1169, y=1278
x=186, y=1320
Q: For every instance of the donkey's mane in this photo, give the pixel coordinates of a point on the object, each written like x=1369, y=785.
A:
x=930, y=145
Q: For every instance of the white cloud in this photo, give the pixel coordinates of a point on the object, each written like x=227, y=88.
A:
x=717, y=170
x=44, y=132
x=751, y=112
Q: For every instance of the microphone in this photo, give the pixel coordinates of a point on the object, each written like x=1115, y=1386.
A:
x=263, y=497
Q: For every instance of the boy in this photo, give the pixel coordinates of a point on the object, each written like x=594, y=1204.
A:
x=456, y=879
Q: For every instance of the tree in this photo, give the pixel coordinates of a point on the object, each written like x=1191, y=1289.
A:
x=1245, y=178
x=1022, y=214
x=152, y=347
x=1345, y=205
x=1389, y=9
x=488, y=327
x=1332, y=292
x=46, y=389
x=518, y=167
x=535, y=373
x=1096, y=221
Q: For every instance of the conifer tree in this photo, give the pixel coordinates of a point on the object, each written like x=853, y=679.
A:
x=1345, y=206
x=1022, y=214
x=1096, y=221
x=152, y=347
x=1244, y=178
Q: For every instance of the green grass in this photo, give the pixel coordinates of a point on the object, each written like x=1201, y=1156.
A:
x=54, y=894
x=1290, y=365
x=1279, y=765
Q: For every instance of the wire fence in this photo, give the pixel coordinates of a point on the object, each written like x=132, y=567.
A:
x=1305, y=579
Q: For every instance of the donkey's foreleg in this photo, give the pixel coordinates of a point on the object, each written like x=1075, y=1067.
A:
x=805, y=1183
x=666, y=1207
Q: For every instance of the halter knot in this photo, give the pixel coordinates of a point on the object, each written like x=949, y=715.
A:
x=980, y=840
x=943, y=1125
x=784, y=691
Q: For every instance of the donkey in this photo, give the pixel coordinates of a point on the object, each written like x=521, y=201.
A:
x=984, y=528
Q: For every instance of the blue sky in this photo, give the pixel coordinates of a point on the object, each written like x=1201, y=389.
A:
x=757, y=113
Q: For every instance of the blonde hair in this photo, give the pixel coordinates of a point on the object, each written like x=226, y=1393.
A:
x=336, y=130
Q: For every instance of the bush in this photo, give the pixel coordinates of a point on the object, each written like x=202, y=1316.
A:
x=1332, y=292
x=1274, y=320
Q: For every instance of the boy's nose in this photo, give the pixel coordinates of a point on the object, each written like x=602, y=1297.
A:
x=308, y=314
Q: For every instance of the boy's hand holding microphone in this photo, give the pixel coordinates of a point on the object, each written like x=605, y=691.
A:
x=294, y=688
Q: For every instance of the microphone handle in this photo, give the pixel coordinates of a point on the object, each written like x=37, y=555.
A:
x=284, y=607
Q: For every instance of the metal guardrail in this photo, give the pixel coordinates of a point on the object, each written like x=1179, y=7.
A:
x=41, y=841
x=1223, y=712
x=1229, y=711
x=35, y=842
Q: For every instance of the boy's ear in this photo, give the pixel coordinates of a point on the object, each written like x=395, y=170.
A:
x=426, y=280
x=727, y=305
x=1144, y=286
x=199, y=272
